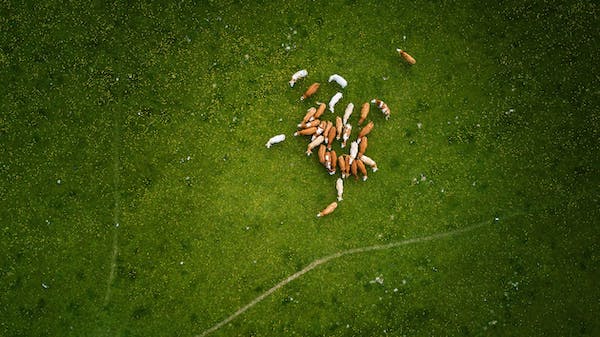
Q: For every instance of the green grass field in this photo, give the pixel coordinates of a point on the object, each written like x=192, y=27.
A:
x=137, y=197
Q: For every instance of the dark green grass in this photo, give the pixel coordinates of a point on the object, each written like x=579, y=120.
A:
x=112, y=100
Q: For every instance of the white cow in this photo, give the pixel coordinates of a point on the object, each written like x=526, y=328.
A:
x=275, y=140
x=297, y=76
x=336, y=98
x=339, y=80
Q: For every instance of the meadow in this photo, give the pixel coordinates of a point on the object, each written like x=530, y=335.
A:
x=137, y=197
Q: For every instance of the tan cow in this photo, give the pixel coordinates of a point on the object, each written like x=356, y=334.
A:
x=411, y=60
x=320, y=110
x=306, y=132
x=318, y=141
x=309, y=115
x=362, y=146
x=314, y=122
x=366, y=130
x=339, y=125
x=369, y=162
x=342, y=165
x=361, y=167
x=364, y=112
x=328, y=210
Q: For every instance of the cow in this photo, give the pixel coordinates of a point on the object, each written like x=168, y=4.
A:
x=339, y=80
x=366, y=130
x=346, y=134
x=333, y=162
x=339, y=187
x=406, y=56
x=297, y=76
x=342, y=165
x=309, y=115
x=314, y=122
x=362, y=146
x=353, y=151
x=361, y=167
x=320, y=110
x=321, y=153
x=310, y=91
x=339, y=125
x=364, y=112
x=330, y=138
x=328, y=210
x=369, y=162
x=383, y=107
x=314, y=144
x=348, y=113
x=336, y=98
x=275, y=140
x=306, y=132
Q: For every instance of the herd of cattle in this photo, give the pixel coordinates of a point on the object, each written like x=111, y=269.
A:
x=322, y=133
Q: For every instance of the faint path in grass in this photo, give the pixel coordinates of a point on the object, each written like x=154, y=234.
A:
x=116, y=148
x=334, y=256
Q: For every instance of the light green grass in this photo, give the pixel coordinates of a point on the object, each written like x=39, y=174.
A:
x=112, y=99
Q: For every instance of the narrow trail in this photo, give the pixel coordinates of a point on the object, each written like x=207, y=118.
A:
x=116, y=149
x=334, y=256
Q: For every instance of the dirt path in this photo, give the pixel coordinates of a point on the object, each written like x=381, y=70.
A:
x=328, y=258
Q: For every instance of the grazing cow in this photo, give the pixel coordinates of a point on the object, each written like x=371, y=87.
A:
x=321, y=154
x=306, y=132
x=314, y=144
x=314, y=122
x=330, y=138
x=354, y=169
x=369, y=162
x=332, y=162
x=339, y=125
x=320, y=110
x=362, y=146
x=361, y=167
x=336, y=98
x=348, y=113
x=339, y=186
x=297, y=76
x=348, y=166
x=383, y=107
x=328, y=127
x=275, y=140
x=328, y=210
x=353, y=151
x=320, y=129
x=346, y=134
x=364, y=112
x=339, y=80
x=342, y=165
x=406, y=57
x=366, y=130
x=310, y=91
x=309, y=115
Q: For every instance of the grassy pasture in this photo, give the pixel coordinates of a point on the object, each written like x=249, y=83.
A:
x=138, y=198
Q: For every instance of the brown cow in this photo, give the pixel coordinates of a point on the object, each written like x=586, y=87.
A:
x=310, y=91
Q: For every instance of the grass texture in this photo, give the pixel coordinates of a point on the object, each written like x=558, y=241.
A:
x=138, y=198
